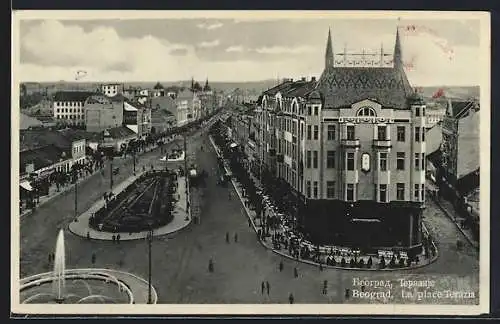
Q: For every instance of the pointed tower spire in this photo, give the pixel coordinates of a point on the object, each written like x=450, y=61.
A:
x=329, y=51
x=206, y=83
x=398, y=57
x=192, y=83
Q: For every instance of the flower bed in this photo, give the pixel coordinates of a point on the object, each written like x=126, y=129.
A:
x=146, y=203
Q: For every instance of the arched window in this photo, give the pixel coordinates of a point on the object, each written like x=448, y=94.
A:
x=366, y=112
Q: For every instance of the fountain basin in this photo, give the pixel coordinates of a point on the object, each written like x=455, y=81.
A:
x=82, y=286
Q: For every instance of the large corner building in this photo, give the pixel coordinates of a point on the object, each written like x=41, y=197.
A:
x=351, y=147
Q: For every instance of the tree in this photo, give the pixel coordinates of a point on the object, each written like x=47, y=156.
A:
x=158, y=86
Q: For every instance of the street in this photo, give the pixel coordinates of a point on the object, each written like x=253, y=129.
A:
x=180, y=260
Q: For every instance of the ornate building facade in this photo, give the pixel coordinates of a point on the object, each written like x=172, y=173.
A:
x=351, y=147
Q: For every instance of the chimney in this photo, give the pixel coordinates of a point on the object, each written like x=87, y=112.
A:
x=303, y=78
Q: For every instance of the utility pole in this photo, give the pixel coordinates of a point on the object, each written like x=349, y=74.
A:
x=76, y=193
x=150, y=239
x=133, y=157
x=185, y=156
x=111, y=173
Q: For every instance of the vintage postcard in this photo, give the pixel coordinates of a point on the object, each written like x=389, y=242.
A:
x=250, y=162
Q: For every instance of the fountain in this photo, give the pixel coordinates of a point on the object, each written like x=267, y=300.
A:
x=64, y=286
x=59, y=282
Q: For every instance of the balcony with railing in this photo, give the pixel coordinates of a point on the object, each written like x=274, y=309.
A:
x=382, y=143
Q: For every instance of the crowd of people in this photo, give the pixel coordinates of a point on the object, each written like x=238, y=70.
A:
x=276, y=224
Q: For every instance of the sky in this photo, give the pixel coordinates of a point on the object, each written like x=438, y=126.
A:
x=436, y=52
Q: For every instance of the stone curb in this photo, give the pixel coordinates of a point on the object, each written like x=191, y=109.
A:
x=142, y=234
x=153, y=289
x=247, y=211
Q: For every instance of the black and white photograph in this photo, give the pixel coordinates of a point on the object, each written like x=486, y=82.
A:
x=250, y=162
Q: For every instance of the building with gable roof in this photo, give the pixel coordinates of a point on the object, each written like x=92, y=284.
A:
x=69, y=106
x=351, y=149
x=460, y=149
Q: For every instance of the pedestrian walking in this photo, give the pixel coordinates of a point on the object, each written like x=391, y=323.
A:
x=347, y=293
x=295, y=272
x=249, y=223
x=281, y=265
x=262, y=287
x=325, y=287
x=118, y=238
x=235, y=237
x=320, y=266
x=290, y=298
x=113, y=238
x=94, y=257
x=268, y=287
x=88, y=236
x=227, y=237
x=50, y=257
x=210, y=265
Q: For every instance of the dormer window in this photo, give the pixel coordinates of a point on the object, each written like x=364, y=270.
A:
x=366, y=112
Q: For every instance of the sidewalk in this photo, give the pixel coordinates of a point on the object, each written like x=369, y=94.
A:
x=53, y=189
x=80, y=226
x=449, y=211
x=53, y=193
x=327, y=259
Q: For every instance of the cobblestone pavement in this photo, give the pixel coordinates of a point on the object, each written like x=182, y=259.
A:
x=180, y=261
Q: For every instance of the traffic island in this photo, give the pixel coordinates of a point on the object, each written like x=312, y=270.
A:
x=151, y=200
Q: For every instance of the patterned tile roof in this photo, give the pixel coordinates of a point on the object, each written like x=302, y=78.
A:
x=343, y=86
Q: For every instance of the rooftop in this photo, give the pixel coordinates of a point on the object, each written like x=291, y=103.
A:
x=42, y=157
x=118, y=132
x=459, y=109
x=185, y=94
x=79, y=96
x=35, y=138
x=26, y=122
x=78, y=134
x=343, y=86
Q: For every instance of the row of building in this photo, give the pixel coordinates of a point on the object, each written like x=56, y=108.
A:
x=352, y=147
x=108, y=118
x=113, y=105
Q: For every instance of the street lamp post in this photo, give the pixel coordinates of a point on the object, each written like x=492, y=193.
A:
x=150, y=239
x=185, y=156
x=76, y=192
x=133, y=157
x=111, y=173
